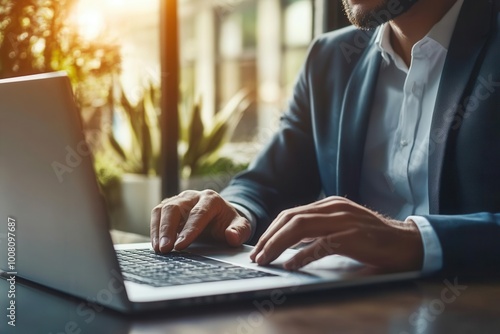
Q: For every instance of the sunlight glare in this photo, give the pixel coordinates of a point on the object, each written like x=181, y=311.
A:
x=90, y=22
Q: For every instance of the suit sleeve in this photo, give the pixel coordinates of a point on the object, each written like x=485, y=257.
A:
x=470, y=243
x=285, y=173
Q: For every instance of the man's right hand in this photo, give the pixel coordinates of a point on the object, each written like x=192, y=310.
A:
x=178, y=221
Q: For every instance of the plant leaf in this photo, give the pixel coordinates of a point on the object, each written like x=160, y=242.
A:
x=222, y=129
x=196, y=138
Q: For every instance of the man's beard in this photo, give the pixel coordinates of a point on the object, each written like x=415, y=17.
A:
x=382, y=13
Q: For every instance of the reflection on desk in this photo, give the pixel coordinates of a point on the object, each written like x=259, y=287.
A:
x=438, y=306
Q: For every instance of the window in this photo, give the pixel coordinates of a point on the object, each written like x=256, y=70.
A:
x=297, y=35
x=229, y=45
x=110, y=47
x=236, y=62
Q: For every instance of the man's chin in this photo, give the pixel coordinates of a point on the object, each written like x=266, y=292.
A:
x=359, y=13
x=367, y=16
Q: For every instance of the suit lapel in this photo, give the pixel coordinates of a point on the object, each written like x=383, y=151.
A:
x=467, y=42
x=354, y=121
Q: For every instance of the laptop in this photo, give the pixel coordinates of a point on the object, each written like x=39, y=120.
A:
x=55, y=222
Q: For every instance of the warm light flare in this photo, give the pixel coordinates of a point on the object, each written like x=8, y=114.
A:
x=90, y=22
x=92, y=18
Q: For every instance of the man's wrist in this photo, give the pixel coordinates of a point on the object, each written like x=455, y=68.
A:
x=416, y=247
x=433, y=252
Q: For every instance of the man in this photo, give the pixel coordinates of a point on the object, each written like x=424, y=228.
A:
x=398, y=125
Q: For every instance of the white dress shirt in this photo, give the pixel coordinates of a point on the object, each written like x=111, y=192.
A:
x=394, y=177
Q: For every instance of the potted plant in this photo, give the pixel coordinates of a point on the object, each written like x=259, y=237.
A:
x=128, y=166
x=129, y=171
x=203, y=167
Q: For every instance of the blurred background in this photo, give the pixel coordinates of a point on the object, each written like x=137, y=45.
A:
x=238, y=61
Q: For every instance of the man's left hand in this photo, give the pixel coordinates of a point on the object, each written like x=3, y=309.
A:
x=342, y=227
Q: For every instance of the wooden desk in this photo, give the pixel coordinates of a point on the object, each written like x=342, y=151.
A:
x=396, y=308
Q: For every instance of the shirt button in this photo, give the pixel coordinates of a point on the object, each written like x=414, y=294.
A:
x=417, y=89
x=404, y=143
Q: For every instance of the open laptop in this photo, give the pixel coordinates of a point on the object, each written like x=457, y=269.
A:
x=49, y=194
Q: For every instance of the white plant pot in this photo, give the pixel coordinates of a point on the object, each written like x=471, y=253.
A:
x=139, y=194
x=215, y=182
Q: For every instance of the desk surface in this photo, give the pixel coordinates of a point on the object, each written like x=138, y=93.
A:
x=396, y=308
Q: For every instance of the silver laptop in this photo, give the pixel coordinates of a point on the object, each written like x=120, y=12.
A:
x=55, y=216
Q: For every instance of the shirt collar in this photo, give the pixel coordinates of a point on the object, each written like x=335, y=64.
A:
x=441, y=32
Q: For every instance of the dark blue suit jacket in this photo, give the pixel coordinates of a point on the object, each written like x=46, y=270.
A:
x=319, y=147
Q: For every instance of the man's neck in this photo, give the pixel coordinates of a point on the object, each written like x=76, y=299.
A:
x=412, y=26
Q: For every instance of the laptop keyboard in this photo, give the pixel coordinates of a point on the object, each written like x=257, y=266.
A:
x=144, y=266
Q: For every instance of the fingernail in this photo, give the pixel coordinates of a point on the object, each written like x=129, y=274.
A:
x=253, y=256
x=163, y=242
x=261, y=258
x=179, y=240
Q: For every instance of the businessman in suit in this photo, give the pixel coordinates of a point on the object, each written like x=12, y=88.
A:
x=397, y=121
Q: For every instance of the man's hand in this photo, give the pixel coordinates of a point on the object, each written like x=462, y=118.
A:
x=178, y=221
x=345, y=228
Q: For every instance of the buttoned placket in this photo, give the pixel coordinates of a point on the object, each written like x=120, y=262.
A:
x=409, y=119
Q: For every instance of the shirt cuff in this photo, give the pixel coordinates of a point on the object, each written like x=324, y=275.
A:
x=433, y=252
x=248, y=215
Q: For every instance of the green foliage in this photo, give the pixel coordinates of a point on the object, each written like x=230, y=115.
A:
x=108, y=172
x=204, y=141
x=221, y=164
x=142, y=122
x=36, y=37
